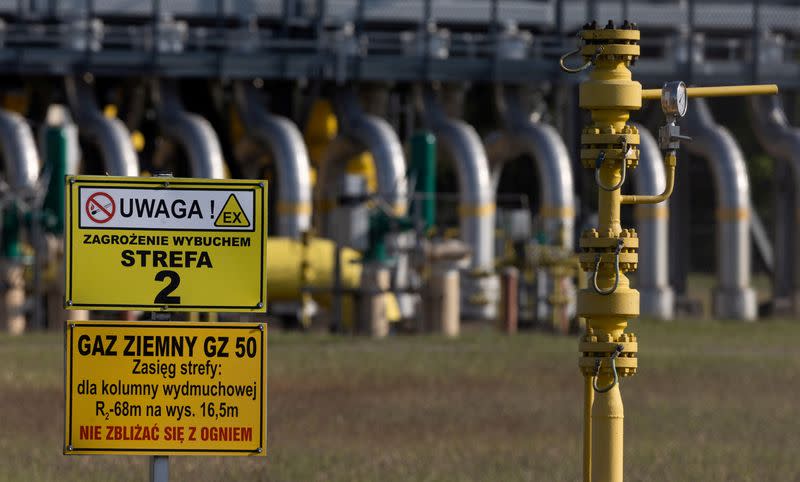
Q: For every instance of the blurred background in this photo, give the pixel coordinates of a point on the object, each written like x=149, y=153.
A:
x=423, y=161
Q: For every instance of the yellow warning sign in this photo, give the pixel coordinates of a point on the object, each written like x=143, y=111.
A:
x=165, y=388
x=172, y=244
x=232, y=214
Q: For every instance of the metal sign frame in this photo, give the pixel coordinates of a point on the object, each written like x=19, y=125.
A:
x=97, y=282
x=123, y=426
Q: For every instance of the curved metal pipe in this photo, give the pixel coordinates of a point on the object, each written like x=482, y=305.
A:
x=359, y=131
x=20, y=158
x=657, y=297
x=110, y=135
x=522, y=134
x=733, y=296
x=191, y=131
x=480, y=289
x=282, y=137
x=782, y=141
x=475, y=187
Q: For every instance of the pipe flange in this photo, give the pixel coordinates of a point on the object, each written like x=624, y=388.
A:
x=592, y=351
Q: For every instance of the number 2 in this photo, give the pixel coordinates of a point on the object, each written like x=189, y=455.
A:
x=163, y=296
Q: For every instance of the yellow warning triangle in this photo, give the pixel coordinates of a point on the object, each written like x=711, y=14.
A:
x=232, y=215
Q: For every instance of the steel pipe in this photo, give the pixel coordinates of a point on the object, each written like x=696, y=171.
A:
x=283, y=139
x=733, y=297
x=191, y=131
x=523, y=134
x=21, y=160
x=359, y=131
x=781, y=141
x=477, y=205
x=110, y=135
x=656, y=296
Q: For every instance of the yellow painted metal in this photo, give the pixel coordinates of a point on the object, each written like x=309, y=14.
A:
x=177, y=244
x=320, y=130
x=670, y=161
x=719, y=91
x=364, y=165
x=296, y=269
x=608, y=145
x=166, y=388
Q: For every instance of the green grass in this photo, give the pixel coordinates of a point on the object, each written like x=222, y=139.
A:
x=712, y=401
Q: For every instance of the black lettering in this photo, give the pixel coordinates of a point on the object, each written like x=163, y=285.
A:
x=84, y=346
x=161, y=210
x=128, y=351
x=159, y=259
x=204, y=261
x=122, y=208
x=179, y=208
x=194, y=210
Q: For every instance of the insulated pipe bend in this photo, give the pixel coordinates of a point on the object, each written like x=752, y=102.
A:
x=359, y=131
x=782, y=141
x=475, y=187
x=734, y=297
x=282, y=137
x=774, y=132
x=110, y=135
x=657, y=298
x=192, y=132
x=21, y=160
x=544, y=144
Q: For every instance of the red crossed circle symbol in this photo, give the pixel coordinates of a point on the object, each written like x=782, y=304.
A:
x=100, y=207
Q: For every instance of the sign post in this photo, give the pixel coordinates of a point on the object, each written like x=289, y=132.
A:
x=163, y=388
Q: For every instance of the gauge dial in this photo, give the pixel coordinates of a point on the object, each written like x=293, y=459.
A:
x=674, y=98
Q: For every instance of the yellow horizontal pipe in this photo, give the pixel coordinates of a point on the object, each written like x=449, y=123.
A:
x=720, y=91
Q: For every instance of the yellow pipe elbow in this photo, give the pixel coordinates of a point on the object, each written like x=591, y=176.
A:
x=669, y=162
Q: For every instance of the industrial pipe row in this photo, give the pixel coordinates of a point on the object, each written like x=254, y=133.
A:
x=478, y=167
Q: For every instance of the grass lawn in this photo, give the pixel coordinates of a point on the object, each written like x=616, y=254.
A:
x=712, y=401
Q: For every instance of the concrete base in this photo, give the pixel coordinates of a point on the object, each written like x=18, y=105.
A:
x=735, y=304
x=372, y=301
x=479, y=297
x=440, y=304
x=12, y=299
x=657, y=303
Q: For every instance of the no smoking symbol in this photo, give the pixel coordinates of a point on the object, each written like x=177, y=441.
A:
x=100, y=207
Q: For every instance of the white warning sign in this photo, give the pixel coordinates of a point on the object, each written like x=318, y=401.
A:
x=166, y=209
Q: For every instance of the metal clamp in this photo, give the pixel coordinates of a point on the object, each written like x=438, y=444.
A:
x=597, y=260
x=598, y=163
x=597, y=363
x=583, y=67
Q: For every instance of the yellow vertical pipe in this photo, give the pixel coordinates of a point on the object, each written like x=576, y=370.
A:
x=588, y=399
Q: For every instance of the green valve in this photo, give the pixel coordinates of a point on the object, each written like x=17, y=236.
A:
x=56, y=153
x=423, y=170
x=11, y=247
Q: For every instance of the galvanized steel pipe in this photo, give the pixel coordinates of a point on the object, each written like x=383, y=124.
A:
x=656, y=296
x=781, y=141
x=476, y=192
x=733, y=297
x=359, y=131
x=477, y=206
x=21, y=160
x=543, y=143
x=282, y=137
x=110, y=135
x=192, y=132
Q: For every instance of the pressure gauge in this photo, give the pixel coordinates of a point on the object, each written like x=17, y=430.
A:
x=674, y=99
